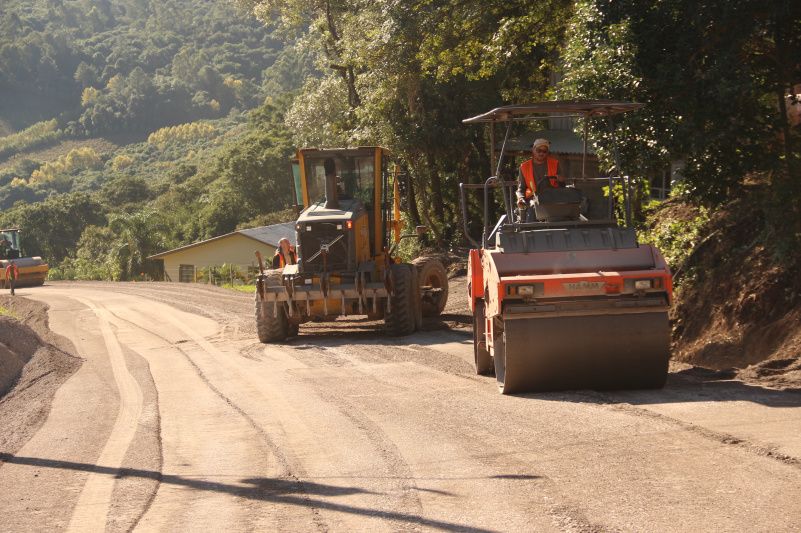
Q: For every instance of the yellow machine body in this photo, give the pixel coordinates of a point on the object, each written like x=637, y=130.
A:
x=30, y=271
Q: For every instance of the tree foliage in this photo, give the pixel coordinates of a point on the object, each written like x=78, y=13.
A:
x=714, y=81
x=716, y=77
x=107, y=66
x=404, y=74
x=52, y=227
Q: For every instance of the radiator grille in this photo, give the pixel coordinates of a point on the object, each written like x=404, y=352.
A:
x=321, y=234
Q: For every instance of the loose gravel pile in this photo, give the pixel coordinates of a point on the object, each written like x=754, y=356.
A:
x=34, y=363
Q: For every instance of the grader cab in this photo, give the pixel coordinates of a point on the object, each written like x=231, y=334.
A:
x=347, y=235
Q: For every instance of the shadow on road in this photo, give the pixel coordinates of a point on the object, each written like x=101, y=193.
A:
x=355, y=330
x=685, y=386
x=286, y=491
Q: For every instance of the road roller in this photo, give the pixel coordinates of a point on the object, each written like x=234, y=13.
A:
x=27, y=271
x=564, y=296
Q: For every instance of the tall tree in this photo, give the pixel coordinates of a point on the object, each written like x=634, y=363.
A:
x=411, y=71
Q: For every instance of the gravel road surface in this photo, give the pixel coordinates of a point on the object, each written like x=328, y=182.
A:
x=179, y=419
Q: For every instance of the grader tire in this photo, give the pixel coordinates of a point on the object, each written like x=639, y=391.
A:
x=432, y=274
x=272, y=323
x=417, y=302
x=400, y=320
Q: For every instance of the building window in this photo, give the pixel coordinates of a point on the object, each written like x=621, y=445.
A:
x=186, y=273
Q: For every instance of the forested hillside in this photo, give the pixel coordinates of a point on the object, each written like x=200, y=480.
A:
x=128, y=126
x=129, y=66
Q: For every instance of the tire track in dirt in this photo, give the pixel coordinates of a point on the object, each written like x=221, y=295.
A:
x=290, y=467
x=565, y=513
x=98, y=488
x=296, y=472
x=601, y=399
x=405, y=514
x=152, y=496
x=388, y=451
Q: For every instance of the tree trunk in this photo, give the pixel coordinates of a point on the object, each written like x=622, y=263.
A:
x=436, y=187
x=414, y=213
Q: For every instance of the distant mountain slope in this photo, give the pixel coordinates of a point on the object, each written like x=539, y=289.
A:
x=60, y=149
x=105, y=66
x=131, y=125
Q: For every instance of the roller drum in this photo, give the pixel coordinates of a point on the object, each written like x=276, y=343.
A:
x=616, y=351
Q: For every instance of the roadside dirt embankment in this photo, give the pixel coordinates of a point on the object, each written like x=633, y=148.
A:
x=738, y=299
x=34, y=363
x=18, y=343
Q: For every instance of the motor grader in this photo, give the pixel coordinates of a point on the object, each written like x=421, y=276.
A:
x=31, y=271
x=570, y=299
x=347, y=235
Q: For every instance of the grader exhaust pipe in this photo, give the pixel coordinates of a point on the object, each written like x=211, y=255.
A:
x=331, y=196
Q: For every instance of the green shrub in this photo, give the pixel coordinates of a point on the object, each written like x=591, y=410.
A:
x=676, y=239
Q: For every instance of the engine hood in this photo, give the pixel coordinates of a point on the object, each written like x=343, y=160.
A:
x=349, y=209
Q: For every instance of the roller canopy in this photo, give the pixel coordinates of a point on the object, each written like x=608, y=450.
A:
x=560, y=108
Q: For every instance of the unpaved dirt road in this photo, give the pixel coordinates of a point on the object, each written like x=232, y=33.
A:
x=179, y=419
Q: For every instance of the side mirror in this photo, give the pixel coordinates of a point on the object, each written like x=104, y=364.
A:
x=421, y=230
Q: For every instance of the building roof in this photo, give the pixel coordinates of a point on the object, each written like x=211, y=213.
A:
x=265, y=234
x=562, y=142
x=271, y=234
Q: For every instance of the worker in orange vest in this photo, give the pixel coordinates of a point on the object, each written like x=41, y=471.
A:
x=540, y=171
x=284, y=254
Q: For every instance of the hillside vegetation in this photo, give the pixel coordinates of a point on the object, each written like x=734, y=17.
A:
x=139, y=111
x=106, y=66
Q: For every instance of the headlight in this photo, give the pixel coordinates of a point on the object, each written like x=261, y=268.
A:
x=642, y=284
x=526, y=291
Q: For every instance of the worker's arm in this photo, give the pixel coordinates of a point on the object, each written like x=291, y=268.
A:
x=521, y=189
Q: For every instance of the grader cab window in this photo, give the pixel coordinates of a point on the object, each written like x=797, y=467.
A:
x=356, y=178
x=9, y=245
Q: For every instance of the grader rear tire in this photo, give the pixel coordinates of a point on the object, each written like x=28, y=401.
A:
x=400, y=320
x=272, y=323
x=432, y=274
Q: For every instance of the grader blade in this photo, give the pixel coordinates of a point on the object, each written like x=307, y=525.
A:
x=601, y=352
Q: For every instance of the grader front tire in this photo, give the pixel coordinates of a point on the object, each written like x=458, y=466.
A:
x=272, y=322
x=400, y=319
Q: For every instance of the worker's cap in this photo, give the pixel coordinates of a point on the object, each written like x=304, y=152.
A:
x=541, y=142
x=284, y=240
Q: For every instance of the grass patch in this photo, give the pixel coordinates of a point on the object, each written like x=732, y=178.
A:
x=239, y=288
